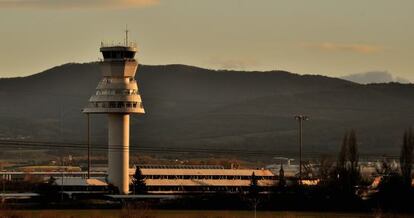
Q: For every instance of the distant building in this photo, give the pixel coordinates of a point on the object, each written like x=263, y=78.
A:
x=17, y=176
x=162, y=179
x=76, y=187
x=77, y=184
x=201, y=179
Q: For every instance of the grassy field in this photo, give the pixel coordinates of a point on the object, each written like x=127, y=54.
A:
x=180, y=214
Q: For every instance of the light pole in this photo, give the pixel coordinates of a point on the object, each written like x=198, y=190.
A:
x=63, y=177
x=300, y=119
x=89, y=147
x=4, y=186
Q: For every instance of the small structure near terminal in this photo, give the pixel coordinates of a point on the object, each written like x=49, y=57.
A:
x=80, y=184
x=76, y=187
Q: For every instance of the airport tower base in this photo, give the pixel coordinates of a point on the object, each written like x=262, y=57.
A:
x=118, y=151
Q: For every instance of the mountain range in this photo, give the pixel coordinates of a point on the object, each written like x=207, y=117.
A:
x=190, y=107
x=374, y=77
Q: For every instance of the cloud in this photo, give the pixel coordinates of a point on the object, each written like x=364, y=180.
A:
x=76, y=4
x=233, y=63
x=343, y=47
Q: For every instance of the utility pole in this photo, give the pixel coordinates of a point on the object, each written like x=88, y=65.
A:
x=300, y=119
x=4, y=187
x=89, y=146
x=63, y=177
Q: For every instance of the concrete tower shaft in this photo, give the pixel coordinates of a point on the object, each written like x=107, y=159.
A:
x=117, y=95
x=118, y=151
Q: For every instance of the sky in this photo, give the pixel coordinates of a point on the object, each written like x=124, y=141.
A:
x=328, y=37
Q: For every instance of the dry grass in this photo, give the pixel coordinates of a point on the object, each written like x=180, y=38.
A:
x=74, y=214
x=142, y=213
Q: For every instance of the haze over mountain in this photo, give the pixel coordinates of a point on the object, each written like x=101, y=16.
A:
x=374, y=77
x=190, y=107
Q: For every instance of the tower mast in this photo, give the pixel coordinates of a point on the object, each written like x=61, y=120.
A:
x=126, y=35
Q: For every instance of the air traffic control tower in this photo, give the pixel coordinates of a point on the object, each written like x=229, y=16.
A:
x=117, y=96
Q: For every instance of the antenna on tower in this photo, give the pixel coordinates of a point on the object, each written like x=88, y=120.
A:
x=126, y=35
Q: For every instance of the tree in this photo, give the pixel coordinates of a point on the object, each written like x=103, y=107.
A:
x=325, y=168
x=353, y=150
x=48, y=191
x=253, y=188
x=353, y=158
x=307, y=169
x=51, y=180
x=406, y=157
x=112, y=189
x=343, y=153
x=282, y=179
x=138, y=182
x=347, y=171
x=254, y=192
x=385, y=167
x=341, y=174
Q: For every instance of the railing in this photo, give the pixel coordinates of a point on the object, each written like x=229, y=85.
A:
x=121, y=44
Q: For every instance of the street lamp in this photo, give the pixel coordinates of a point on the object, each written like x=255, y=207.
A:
x=89, y=145
x=300, y=119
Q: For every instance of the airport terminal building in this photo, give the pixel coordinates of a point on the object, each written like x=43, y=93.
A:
x=168, y=179
x=203, y=179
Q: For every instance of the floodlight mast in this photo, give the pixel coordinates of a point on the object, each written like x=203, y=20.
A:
x=300, y=118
